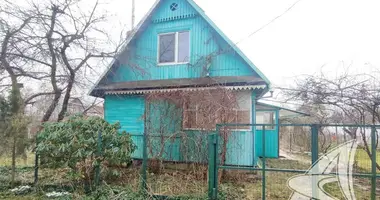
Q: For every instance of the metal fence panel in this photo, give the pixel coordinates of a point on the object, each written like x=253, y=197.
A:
x=324, y=139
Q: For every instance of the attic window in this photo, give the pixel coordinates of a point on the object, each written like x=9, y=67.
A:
x=174, y=6
x=174, y=48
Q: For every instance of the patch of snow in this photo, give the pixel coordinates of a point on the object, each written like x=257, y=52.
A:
x=57, y=194
x=21, y=189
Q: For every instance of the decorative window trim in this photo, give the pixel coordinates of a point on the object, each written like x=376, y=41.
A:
x=176, y=48
x=189, y=89
x=174, y=6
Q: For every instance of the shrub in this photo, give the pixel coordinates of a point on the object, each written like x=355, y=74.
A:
x=75, y=143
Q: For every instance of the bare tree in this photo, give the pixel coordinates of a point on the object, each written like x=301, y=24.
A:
x=12, y=28
x=50, y=45
x=61, y=40
x=354, y=97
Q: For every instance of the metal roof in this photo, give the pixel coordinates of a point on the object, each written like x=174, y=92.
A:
x=235, y=82
x=187, y=89
x=284, y=112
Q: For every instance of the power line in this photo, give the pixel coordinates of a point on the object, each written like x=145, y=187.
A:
x=271, y=21
x=133, y=14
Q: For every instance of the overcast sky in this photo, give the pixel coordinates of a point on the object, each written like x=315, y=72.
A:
x=313, y=33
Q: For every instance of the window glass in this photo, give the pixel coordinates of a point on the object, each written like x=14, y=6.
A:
x=264, y=118
x=243, y=116
x=167, y=48
x=190, y=119
x=198, y=116
x=183, y=46
x=189, y=115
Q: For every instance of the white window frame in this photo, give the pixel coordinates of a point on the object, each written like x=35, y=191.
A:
x=175, y=49
x=271, y=112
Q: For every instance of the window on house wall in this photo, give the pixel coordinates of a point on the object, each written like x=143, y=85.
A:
x=190, y=115
x=196, y=115
x=265, y=117
x=174, y=47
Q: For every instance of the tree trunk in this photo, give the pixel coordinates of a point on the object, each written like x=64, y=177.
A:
x=13, y=161
x=52, y=107
x=15, y=103
x=66, y=99
x=367, y=150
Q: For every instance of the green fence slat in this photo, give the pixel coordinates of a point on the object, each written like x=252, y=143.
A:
x=314, y=157
x=144, y=166
x=211, y=166
x=373, y=159
x=263, y=171
x=214, y=166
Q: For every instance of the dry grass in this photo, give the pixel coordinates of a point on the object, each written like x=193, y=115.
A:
x=172, y=180
x=191, y=180
x=276, y=183
x=27, y=161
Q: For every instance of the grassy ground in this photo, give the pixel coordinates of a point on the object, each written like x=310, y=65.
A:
x=28, y=160
x=187, y=180
x=363, y=160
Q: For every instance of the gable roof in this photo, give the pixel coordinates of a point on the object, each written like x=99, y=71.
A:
x=141, y=25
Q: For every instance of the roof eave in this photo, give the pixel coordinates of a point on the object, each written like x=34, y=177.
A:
x=233, y=45
x=100, y=92
x=125, y=45
x=282, y=108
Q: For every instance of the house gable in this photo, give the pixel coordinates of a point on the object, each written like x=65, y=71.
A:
x=211, y=52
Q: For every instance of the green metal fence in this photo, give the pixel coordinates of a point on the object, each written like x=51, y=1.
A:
x=216, y=164
x=270, y=174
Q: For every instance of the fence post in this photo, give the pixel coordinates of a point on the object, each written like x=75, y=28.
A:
x=314, y=143
x=213, y=165
x=314, y=158
x=36, y=165
x=144, y=188
x=263, y=196
x=98, y=154
x=373, y=158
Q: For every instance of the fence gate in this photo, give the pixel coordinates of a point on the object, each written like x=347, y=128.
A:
x=333, y=168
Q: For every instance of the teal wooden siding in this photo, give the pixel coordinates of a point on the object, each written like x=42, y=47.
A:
x=240, y=148
x=194, y=147
x=210, y=55
x=129, y=111
x=271, y=141
x=140, y=61
x=182, y=145
x=253, y=128
x=170, y=142
x=163, y=127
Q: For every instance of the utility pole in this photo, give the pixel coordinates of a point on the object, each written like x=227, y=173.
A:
x=133, y=15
